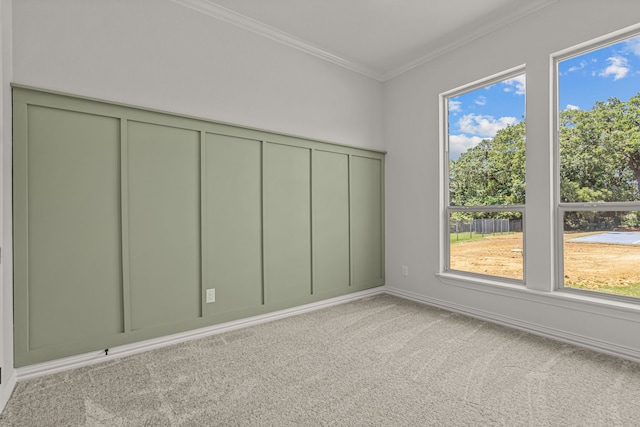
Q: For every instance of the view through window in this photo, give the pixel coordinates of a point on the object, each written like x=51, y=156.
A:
x=486, y=177
x=599, y=168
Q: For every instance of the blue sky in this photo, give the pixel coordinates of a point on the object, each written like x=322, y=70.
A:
x=611, y=71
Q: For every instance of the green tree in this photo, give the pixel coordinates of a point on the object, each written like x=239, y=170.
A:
x=599, y=162
x=492, y=172
x=600, y=152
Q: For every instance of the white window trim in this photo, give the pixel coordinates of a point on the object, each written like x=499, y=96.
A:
x=561, y=207
x=445, y=209
x=590, y=303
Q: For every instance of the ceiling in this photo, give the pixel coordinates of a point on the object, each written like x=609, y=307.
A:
x=378, y=38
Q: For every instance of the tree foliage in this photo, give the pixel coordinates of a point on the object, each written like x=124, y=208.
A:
x=600, y=152
x=599, y=160
x=492, y=172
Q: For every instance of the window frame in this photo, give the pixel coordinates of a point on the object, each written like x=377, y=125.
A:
x=561, y=207
x=447, y=209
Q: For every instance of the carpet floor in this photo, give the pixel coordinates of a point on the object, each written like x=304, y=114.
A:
x=379, y=361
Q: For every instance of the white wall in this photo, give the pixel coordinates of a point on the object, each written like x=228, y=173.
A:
x=413, y=181
x=6, y=282
x=158, y=54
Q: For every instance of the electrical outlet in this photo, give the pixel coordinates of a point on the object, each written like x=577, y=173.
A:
x=405, y=270
x=211, y=295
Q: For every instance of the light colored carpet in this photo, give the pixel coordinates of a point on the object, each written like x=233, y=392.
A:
x=381, y=361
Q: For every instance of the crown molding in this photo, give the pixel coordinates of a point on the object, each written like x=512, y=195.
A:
x=229, y=16
x=444, y=46
x=434, y=50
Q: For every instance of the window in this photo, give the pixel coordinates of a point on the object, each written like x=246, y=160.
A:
x=598, y=168
x=485, y=177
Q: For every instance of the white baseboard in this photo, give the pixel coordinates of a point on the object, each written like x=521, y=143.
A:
x=554, y=334
x=7, y=388
x=72, y=362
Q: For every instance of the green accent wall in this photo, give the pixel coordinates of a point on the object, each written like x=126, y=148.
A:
x=232, y=226
x=73, y=226
x=164, y=224
x=331, y=242
x=367, y=223
x=287, y=219
x=125, y=217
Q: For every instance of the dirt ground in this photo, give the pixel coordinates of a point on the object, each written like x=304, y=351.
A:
x=586, y=264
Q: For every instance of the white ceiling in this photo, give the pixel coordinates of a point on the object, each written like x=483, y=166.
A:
x=379, y=38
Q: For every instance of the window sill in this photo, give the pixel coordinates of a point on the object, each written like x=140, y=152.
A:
x=559, y=298
x=471, y=282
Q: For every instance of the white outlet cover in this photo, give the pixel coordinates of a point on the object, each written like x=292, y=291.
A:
x=211, y=295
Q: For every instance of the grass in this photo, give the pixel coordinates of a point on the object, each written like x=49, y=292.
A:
x=466, y=237
x=630, y=290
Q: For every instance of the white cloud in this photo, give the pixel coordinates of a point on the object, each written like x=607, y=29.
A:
x=633, y=44
x=481, y=100
x=460, y=143
x=454, y=106
x=516, y=84
x=572, y=107
x=577, y=67
x=619, y=68
x=484, y=126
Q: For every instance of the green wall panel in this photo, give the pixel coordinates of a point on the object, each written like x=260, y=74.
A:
x=124, y=217
x=232, y=222
x=73, y=211
x=367, y=222
x=287, y=180
x=331, y=259
x=164, y=224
